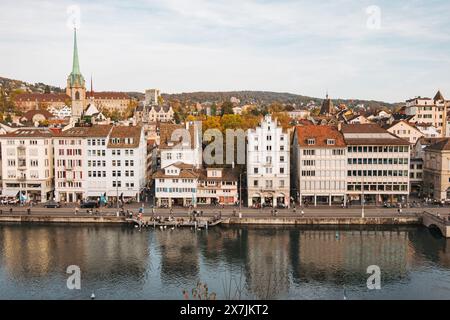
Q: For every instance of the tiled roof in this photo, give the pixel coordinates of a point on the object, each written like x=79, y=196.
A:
x=42, y=97
x=228, y=174
x=443, y=145
x=166, y=131
x=320, y=134
x=109, y=95
x=370, y=134
x=123, y=132
x=30, y=114
x=93, y=131
x=30, y=133
x=362, y=128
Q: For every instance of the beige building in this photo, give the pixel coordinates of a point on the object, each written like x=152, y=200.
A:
x=429, y=111
x=35, y=101
x=436, y=170
x=406, y=131
x=150, y=114
x=319, y=165
x=27, y=164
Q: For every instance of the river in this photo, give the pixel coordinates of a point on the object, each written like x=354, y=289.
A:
x=121, y=262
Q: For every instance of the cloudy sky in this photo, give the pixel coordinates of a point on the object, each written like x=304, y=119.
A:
x=385, y=50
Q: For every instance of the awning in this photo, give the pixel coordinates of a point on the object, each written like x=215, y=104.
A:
x=9, y=193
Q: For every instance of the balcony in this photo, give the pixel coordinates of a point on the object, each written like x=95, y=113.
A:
x=21, y=178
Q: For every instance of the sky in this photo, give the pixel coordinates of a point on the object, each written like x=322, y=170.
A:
x=382, y=50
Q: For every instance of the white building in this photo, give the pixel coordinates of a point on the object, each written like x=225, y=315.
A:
x=152, y=96
x=92, y=161
x=319, y=165
x=181, y=143
x=378, y=165
x=268, y=165
x=27, y=163
x=127, y=162
x=77, y=151
x=176, y=185
x=61, y=112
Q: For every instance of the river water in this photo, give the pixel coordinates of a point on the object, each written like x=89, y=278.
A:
x=121, y=262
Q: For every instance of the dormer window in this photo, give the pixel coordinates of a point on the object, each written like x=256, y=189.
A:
x=331, y=142
x=311, y=142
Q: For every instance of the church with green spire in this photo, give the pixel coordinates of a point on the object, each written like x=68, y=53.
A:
x=76, y=85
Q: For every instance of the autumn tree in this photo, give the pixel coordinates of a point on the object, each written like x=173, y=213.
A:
x=227, y=108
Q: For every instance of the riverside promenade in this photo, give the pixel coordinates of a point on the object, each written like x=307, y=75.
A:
x=229, y=215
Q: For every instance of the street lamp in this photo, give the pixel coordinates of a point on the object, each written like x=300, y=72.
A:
x=362, y=197
x=240, y=192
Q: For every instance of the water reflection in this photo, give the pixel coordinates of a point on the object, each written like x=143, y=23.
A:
x=264, y=263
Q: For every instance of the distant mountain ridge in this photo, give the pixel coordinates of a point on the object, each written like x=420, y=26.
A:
x=268, y=97
x=245, y=97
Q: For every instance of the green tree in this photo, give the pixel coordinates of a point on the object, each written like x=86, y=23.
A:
x=227, y=108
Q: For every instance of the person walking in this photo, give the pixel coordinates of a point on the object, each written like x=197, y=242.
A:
x=76, y=210
x=303, y=213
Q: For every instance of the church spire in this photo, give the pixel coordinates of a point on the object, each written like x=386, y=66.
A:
x=75, y=78
x=76, y=63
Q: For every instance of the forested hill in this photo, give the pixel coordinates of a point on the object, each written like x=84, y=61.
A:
x=267, y=97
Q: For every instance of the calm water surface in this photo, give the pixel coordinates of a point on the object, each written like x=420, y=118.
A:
x=242, y=263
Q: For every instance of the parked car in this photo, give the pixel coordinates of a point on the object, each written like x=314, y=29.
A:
x=52, y=204
x=89, y=204
x=281, y=206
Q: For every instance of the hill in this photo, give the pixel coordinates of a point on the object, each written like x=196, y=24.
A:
x=267, y=97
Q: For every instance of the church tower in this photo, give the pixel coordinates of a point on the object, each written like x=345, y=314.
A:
x=76, y=86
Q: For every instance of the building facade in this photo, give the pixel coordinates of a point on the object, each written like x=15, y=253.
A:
x=429, y=111
x=436, y=171
x=92, y=161
x=181, y=143
x=319, y=166
x=377, y=165
x=268, y=165
x=27, y=164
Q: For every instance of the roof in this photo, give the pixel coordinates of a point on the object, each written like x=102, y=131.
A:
x=228, y=174
x=429, y=141
x=443, y=145
x=186, y=171
x=438, y=96
x=166, y=131
x=123, y=132
x=320, y=134
x=362, y=128
x=42, y=97
x=370, y=134
x=30, y=133
x=327, y=107
x=30, y=114
x=109, y=95
x=92, y=131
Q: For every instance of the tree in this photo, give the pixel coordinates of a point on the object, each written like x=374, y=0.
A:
x=8, y=118
x=213, y=109
x=283, y=119
x=227, y=108
x=47, y=89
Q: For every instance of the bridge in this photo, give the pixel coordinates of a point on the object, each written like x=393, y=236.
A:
x=431, y=220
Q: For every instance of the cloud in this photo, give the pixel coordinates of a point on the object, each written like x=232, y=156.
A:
x=298, y=46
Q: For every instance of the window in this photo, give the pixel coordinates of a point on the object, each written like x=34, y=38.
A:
x=311, y=142
x=331, y=142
